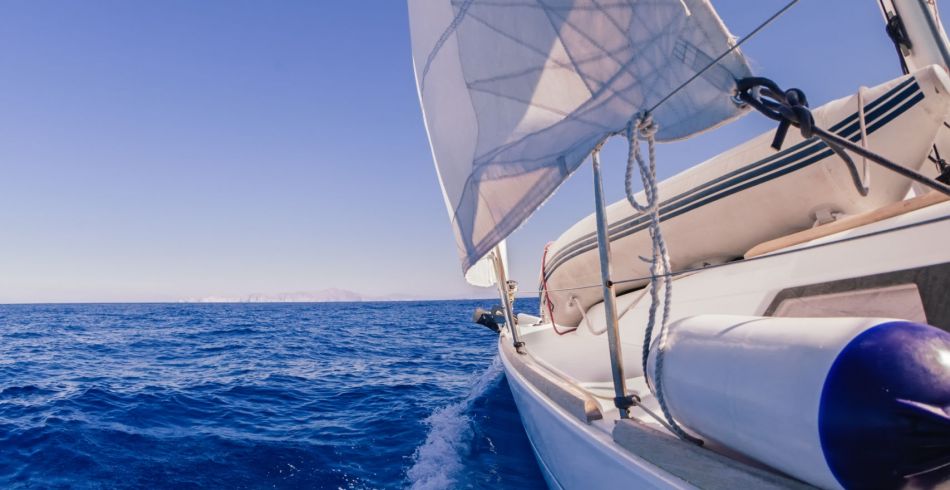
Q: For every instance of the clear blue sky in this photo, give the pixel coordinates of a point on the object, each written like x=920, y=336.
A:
x=155, y=151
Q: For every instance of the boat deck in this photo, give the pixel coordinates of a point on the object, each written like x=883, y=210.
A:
x=641, y=436
x=700, y=467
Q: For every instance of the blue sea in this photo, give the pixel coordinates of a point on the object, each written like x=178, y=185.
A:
x=324, y=395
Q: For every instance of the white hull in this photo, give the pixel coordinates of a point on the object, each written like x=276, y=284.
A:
x=572, y=454
x=577, y=454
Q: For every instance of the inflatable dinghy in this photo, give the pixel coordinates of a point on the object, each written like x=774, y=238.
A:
x=716, y=211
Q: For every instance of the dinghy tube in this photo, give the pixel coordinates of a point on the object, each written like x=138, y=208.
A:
x=718, y=210
x=835, y=402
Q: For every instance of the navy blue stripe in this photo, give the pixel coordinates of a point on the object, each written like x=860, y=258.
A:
x=871, y=113
x=674, y=211
x=854, y=116
x=641, y=221
x=678, y=205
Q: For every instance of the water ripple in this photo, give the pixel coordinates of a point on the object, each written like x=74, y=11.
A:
x=350, y=395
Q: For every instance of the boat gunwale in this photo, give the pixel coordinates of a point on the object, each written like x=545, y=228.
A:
x=520, y=363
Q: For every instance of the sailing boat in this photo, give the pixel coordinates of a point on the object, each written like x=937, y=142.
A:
x=774, y=317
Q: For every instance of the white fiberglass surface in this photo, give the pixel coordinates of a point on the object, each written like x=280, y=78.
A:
x=579, y=358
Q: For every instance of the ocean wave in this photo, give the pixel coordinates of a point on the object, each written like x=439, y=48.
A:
x=256, y=396
x=439, y=459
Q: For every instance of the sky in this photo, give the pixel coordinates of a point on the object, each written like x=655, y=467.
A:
x=161, y=151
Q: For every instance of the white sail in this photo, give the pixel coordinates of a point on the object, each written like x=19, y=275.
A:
x=516, y=93
x=482, y=273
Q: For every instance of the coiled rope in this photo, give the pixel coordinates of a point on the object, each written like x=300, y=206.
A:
x=639, y=127
x=643, y=127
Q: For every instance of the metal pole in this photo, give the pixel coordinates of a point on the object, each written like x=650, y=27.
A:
x=935, y=33
x=502, y=281
x=928, y=43
x=610, y=297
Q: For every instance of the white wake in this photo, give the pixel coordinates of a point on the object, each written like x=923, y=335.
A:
x=450, y=432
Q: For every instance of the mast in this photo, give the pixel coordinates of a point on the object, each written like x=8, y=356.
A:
x=915, y=28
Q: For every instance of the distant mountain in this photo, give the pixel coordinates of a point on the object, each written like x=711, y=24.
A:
x=322, y=296
x=326, y=295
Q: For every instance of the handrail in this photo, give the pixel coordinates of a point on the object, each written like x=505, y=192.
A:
x=568, y=395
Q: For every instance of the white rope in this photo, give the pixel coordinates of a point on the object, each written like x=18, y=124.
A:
x=642, y=127
x=633, y=304
x=573, y=302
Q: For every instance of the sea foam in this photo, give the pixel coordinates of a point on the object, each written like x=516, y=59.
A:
x=439, y=458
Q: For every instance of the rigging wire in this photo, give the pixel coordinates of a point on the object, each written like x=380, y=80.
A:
x=544, y=289
x=719, y=58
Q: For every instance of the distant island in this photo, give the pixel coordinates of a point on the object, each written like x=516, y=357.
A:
x=322, y=296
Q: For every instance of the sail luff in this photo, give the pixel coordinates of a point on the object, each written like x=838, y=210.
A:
x=516, y=93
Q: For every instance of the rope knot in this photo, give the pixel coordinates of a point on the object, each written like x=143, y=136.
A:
x=788, y=107
x=646, y=126
x=796, y=111
x=640, y=127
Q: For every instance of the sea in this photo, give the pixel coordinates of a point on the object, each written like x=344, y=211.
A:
x=257, y=395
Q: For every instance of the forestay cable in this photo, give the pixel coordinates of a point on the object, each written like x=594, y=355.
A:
x=719, y=58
